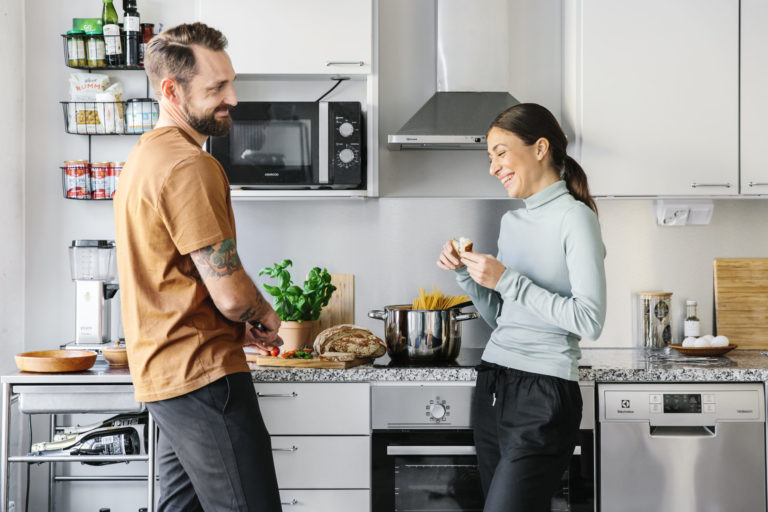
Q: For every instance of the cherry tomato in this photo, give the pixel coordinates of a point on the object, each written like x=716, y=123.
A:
x=274, y=352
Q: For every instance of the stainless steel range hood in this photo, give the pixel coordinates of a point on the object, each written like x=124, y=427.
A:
x=472, y=79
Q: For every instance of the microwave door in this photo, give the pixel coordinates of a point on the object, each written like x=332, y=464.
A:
x=272, y=153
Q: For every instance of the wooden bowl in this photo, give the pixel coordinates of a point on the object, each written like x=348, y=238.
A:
x=703, y=351
x=116, y=355
x=54, y=361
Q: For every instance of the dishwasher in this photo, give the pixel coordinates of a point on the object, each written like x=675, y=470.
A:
x=682, y=447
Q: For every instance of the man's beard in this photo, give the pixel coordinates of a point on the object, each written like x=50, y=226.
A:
x=207, y=124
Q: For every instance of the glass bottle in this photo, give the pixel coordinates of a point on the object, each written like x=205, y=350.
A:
x=132, y=25
x=76, y=48
x=95, y=47
x=692, y=324
x=112, y=44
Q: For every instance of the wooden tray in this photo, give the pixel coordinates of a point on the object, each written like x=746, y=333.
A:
x=303, y=363
x=703, y=351
x=55, y=361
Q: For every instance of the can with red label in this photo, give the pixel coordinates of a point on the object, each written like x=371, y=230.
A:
x=76, y=179
x=99, y=172
x=117, y=168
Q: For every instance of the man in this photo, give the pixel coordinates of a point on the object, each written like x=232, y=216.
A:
x=188, y=306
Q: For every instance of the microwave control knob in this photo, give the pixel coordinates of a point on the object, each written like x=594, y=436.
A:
x=346, y=155
x=346, y=129
x=437, y=411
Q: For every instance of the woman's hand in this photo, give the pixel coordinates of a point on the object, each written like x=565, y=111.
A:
x=449, y=259
x=484, y=269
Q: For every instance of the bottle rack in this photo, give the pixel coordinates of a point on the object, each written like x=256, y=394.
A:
x=98, y=180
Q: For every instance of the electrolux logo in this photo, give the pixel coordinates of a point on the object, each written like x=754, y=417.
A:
x=626, y=407
x=625, y=404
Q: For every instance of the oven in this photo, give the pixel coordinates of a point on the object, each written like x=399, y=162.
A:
x=423, y=452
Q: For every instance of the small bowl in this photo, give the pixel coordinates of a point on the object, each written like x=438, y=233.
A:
x=116, y=355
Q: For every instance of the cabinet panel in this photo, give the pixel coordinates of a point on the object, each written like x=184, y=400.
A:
x=312, y=409
x=297, y=37
x=317, y=462
x=325, y=501
x=659, y=96
x=754, y=100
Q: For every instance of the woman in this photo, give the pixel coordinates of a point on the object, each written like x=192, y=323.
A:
x=541, y=294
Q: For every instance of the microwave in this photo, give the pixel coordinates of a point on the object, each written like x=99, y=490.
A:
x=293, y=145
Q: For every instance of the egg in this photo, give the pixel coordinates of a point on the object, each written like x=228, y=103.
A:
x=720, y=341
x=702, y=342
x=690, y=341
x=709, y=338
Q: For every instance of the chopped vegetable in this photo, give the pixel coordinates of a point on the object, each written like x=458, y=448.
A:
x=274, y=352
x=302, y=353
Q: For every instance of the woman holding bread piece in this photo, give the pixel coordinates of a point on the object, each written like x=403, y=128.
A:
x=541, y=293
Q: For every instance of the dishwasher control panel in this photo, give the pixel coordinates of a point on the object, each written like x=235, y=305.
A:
x=682, y=404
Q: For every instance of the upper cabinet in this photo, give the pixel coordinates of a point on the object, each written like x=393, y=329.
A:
x=297, y=37
x=754, y=100
x=653, y=94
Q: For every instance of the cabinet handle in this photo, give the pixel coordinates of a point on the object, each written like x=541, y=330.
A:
x=294, y=501
x=292, y=394
x=756, y=184
x=359, y=63
x=291, y=449
x=726, y=185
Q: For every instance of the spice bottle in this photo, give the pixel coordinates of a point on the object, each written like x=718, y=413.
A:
x=692, y=324
x=112, y=43
x=132, y=26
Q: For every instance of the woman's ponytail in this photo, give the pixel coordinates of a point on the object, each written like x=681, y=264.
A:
x=531, y=122
x=576, y=180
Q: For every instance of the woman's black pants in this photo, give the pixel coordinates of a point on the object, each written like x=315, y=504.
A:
x=526, y=426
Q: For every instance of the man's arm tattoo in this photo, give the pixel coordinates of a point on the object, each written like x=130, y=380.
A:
x=221, y=262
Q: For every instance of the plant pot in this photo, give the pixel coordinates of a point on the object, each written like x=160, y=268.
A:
x=296, y=334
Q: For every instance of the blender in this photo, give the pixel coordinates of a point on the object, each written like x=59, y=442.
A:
x=92, y=266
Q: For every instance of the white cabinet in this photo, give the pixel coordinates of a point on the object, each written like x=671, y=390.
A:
x=321, y=444
x=754, y=100
x=655, y=106
x=294, y=37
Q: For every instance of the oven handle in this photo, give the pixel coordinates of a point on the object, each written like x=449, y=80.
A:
x=431, y=450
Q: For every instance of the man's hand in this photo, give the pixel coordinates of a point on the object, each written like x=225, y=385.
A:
x=263, y=337
x=449, y=259
x=484, y=269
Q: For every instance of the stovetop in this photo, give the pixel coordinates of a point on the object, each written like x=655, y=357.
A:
x=469, y=357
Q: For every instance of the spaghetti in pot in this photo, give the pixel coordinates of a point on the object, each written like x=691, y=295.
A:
x=436, y=300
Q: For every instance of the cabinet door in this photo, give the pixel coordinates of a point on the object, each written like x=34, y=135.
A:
x=659, y=96
x=754, y=100
x=322, y=462
x=294, y=37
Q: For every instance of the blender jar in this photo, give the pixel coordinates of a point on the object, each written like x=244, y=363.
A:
x=92, y=260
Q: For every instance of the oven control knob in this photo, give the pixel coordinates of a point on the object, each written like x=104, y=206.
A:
x=437, y=411
x=346, y=155
x=346, y=129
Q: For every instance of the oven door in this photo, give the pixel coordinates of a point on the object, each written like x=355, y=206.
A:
x=425, y=470
x=270, y=145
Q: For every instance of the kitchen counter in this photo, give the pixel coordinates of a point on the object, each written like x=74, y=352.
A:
x=596, y=364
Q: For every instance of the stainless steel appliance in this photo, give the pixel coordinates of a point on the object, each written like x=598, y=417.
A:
x=682, y=447
x=93, y=269
x=422, y=335
x=293, y=144
x=423, y=451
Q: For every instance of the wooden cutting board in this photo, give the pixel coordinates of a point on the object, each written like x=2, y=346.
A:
x=341, y=307
x=303, y=363
x=741, y=301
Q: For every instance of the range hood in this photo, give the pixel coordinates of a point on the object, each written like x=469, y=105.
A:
x=473, y=64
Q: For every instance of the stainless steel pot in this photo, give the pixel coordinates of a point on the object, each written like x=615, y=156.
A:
x=422, y=335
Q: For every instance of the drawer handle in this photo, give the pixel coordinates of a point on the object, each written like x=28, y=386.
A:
x=726, y=185
x=294, y=501
x=756, y=184
x=345, y=63
x=292, y=394
x=291, y=449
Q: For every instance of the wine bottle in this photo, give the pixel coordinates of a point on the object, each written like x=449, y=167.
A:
x=132, y=26
x=113, y=47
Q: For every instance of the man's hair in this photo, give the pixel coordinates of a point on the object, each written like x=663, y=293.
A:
x=170, y=53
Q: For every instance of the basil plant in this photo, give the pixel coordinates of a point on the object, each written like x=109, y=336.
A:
x=294, y=303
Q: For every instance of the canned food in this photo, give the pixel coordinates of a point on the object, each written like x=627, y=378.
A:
x=76, y=179
x=655, y=313
x=99, y=171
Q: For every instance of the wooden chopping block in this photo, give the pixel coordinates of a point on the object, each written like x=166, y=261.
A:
x=341, y=307
x=741, y=301
x=304, y=363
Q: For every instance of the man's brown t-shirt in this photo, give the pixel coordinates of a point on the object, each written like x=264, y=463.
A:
x=172, y=199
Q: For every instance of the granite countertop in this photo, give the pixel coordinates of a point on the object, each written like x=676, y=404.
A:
x=596, y=364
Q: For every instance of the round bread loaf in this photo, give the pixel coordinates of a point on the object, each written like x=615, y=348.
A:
x=337, y=356
x=351, y=339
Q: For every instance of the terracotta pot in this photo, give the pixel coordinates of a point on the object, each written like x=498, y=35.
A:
x=296, y=334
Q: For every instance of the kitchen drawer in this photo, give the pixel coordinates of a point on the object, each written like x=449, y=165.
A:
x=325, y=501
x=77, y=398
x=320, y=462
x=312, y=409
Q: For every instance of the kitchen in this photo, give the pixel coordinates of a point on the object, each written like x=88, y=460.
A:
x=448, y=190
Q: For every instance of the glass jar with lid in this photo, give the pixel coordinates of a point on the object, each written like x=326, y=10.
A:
x=76, y=48
x=655, y=314
x=95, y=47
